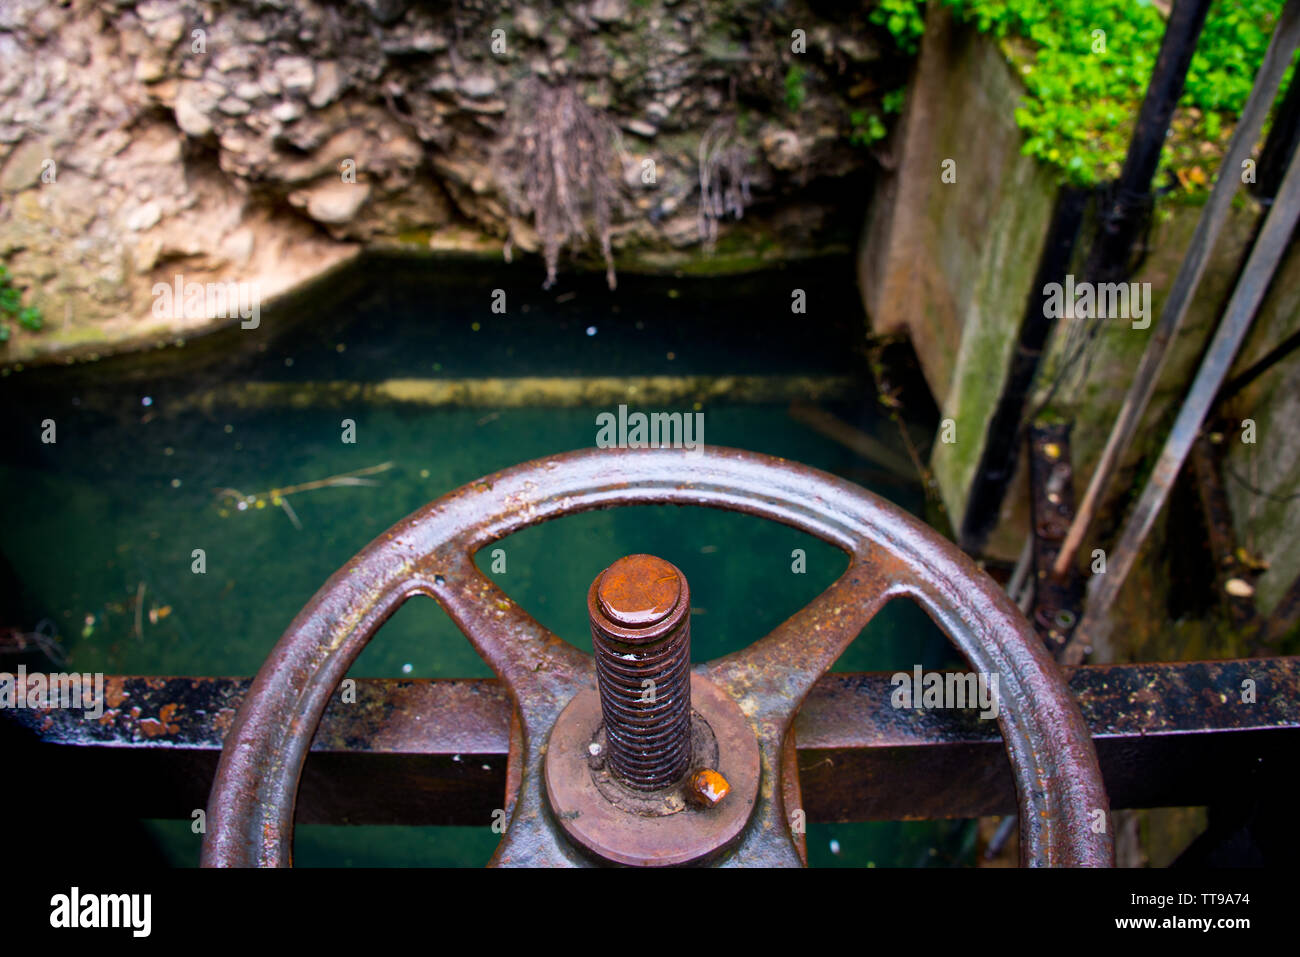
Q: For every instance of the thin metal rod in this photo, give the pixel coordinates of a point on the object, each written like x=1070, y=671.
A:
x=1017, y=583
x=1274, y=240
x=1280, y=49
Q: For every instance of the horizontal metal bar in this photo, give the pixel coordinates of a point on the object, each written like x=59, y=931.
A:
x=434, y=751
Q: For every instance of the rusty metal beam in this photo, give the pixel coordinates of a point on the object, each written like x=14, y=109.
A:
x=434, y=752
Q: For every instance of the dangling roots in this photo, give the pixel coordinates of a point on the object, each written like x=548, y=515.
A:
x=554, y=163
x=724, y=181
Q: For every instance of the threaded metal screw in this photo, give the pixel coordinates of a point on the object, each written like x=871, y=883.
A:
x=641, y=632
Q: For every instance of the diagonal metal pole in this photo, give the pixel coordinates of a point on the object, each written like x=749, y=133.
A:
x=1286, y=37
x=1274, y=240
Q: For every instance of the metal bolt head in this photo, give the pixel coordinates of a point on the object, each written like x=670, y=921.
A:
x=639, y=591
x=708, y=787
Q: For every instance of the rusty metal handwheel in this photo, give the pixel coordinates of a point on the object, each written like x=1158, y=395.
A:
x=1058, y=783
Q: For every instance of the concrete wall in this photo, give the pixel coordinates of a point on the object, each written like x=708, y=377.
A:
x=952, y=263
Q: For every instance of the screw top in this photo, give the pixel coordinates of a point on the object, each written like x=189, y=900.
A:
x=639, y=591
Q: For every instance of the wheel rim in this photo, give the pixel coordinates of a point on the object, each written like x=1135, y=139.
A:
x=1058, y=783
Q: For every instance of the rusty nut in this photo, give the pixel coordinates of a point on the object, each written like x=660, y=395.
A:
x=708, y=787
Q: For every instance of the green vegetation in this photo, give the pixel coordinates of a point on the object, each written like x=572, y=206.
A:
x=866, y=128
x=11, y=306
x=1085, y=66
x=903, y=19
x=795, y=91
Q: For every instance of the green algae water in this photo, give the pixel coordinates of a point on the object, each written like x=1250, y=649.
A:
x=100, y=529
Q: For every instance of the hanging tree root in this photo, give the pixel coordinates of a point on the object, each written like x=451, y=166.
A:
x=279, y=497
x=724, y=177
x=553, y=163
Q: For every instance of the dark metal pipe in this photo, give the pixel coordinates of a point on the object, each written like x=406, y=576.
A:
x=1125, y=210
x=1280, y=145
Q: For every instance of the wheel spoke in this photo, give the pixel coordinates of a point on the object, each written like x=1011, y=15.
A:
x=542, y=672
x=773, y=675
x=541, y=669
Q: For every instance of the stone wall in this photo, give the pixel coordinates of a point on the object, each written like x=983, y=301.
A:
x=140, y=140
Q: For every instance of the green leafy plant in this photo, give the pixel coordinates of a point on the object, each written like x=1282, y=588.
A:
x=892, y=102
x=904, y=21
x=11, y=306
x=795, y=91
x=1083, y=89
x=865, y=128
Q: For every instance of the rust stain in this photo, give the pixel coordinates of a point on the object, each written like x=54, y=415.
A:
x=115, y=691
x=221, y=721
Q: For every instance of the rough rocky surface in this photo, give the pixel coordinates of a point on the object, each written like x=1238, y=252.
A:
x=268, y=141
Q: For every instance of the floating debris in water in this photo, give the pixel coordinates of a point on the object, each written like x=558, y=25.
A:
x=407, y=668
x=279, y=497
x=146, y=400
x=835, y=846
x=176, y=483
x=591, y=330
x=88, y=626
